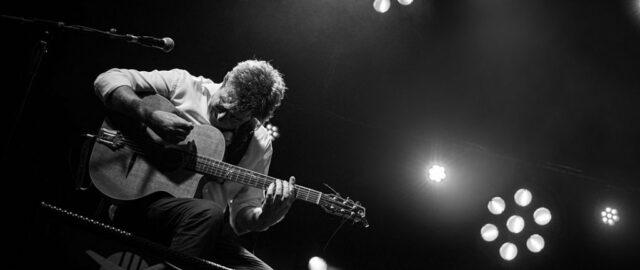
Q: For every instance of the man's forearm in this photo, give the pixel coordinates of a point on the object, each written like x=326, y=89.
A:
x=124, y=100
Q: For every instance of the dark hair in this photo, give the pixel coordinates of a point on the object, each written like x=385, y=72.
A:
x=258, y=88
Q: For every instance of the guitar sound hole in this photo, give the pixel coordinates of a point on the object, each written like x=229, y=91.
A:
x=171, y=159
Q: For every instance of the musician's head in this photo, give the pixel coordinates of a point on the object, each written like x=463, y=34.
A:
x=253, y=89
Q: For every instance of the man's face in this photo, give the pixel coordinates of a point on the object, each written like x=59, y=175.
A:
x=223, y=115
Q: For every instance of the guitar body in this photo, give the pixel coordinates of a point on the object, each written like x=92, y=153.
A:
x=123, y=173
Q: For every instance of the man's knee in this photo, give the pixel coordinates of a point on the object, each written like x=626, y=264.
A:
x=207, y=212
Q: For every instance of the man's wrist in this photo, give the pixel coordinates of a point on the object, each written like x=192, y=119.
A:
x=258, y=222
x=143, y=111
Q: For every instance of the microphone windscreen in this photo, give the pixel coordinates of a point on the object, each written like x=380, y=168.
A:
x=168, y=44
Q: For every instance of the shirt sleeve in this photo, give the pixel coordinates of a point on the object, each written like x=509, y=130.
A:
x=162, y=82
x=257, y=159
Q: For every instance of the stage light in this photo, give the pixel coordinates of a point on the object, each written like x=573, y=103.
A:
x=496, y=205
x=635, y=9
x=436, y=173
x=508, y=251
x=489, y=232
x=542, y=216
x=515, y=224
x=535, y=243
x=317, y=263
x=523, y=197
x=272, y=130
x=610, y=216
x=381, y=5
x=405, y=2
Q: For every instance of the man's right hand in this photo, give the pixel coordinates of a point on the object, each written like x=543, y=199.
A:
x=169, y=126
x=172, y=127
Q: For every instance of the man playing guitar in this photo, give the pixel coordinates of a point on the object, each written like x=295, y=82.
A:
x=238, y=106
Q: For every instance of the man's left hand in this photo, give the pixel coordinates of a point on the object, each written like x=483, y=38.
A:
x=279, y=198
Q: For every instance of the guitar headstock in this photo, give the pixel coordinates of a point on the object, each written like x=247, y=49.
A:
x=346, y=208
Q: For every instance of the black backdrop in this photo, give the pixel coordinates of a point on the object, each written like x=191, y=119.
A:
x=536, y=94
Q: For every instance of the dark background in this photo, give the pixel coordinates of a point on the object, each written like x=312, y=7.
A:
x=539, y=94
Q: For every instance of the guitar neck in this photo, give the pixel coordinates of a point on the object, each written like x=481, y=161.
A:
x=246, y=177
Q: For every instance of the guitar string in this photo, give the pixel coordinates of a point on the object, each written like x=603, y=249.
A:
x=242, y=175
x=323, y=199
x=303, y=191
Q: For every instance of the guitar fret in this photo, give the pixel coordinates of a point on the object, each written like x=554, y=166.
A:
x=244, y=176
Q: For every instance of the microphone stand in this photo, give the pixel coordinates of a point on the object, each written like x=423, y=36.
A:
x=41, y=51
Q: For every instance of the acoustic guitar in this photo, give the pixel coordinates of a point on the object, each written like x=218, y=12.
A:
x=129, y=161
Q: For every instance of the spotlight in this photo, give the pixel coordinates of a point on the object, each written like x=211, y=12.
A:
x=317, y=263
x=381, y=5
x=516, y=223
x=542, y=216
x=489, y=232
x=436, y=173
x=610, y=216
x=273, y=131
x=496, y=205
x=535, y=243
x=508, y=251
x=523, y=197
x=405, y=2
x=634, y=10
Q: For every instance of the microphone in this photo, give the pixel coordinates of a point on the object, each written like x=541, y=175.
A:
x=165, y=44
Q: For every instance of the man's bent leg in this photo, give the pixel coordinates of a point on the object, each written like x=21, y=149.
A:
x=194, y=223
x=229, y=252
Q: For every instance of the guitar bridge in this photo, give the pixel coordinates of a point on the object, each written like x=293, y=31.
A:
x=111, y=138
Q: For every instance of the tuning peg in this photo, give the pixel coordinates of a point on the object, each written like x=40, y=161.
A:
x=365, y=223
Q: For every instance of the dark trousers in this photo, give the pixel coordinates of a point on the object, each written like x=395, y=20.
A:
x=195, y=227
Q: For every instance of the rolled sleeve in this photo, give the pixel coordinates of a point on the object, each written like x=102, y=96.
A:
x=162, y=82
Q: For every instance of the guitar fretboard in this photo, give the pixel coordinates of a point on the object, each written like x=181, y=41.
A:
x=244, y=176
